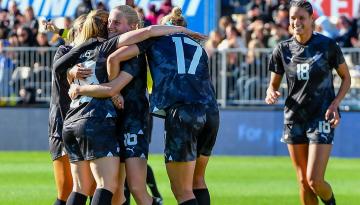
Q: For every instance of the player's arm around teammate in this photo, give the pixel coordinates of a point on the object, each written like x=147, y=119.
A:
x=311, y=107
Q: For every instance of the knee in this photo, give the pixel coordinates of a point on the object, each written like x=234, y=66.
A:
x=137, y=190
x=304, y=185
x=181, y=193
x=315, y=184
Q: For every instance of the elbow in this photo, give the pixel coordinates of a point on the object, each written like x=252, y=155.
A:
x=149, y=31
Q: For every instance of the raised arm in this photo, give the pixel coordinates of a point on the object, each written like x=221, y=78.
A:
x=138, y=35
x=117, y=83
x=68, y=60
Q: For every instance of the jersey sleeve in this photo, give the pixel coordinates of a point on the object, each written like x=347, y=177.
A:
x=144, y=45
x=132, y=66
x=276, y=64
x=109, y=46
x=62, y=50
x=69, y=59
x=336, y=56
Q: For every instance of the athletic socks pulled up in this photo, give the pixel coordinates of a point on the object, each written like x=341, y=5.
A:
x=202, y=196
x=331, y=201
x=76, y=198
x=102, y=197
x=59, y=202
x=190, y=202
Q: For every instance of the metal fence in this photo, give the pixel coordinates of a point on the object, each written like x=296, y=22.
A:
x=25, y=74
x=240, y=76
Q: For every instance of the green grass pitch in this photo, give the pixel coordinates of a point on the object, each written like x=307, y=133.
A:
x=26, y=178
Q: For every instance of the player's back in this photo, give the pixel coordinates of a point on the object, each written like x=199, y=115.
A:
x=179, y=69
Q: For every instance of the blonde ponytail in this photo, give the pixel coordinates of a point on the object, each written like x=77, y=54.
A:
x=175, y=18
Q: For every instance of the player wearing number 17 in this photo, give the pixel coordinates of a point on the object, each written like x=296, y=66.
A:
x=311, y=107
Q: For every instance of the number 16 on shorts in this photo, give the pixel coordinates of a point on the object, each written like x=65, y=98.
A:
x=324, y=127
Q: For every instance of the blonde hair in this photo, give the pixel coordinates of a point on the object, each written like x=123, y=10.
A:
x=129, y=14
x=175, y=18
x=76, y=28
x=95, y=25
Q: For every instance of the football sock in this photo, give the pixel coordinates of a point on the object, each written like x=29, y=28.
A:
x=150, y=181
x=190, y=202
x=102, y=197
x=330, y=201
x=202, y=196
x=59, y=202
x=76, y=198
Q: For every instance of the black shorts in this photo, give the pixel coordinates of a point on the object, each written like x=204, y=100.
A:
x=56, y=147
x=190, y=131
x=90, y=138
x=316, y=131
x=134, y=141
x=56, y=144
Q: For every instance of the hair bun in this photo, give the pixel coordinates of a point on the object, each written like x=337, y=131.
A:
x=176, y=11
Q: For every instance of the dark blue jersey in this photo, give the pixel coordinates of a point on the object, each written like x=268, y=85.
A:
x=179, y=69
x=92, y=56
x=308, y=70
x=136, y=106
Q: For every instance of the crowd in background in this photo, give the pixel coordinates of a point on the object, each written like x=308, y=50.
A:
x=264, y=23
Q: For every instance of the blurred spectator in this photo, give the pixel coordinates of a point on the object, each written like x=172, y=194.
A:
x=258, y=9
x=282, y=17
x=232, y=40
x=346, y=32
x=325, y=27
x=143, y=21
x=101, y=6
x=165, y=8
x=25, y=37
x=239, y=6
x=13, y=13
x=13, y=39
x=83, y=8
x=277, y=34
x=30, y=20
x=42, y=40
x=212, y=43
x=259, y=31
x=152, y=15
x=224, y=21
x=6, y=70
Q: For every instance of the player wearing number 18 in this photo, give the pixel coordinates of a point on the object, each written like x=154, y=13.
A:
x=311, y=107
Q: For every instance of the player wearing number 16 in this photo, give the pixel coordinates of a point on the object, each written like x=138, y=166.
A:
x=311, y=107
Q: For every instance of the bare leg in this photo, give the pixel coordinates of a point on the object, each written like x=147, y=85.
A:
x=136, y=179
x=318, y=158
x=63, y=178
x=119, y=198
x=299, y=158
x=181, y=179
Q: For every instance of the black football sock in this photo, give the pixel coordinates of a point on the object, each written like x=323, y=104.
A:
x=76, y=198
x=190, y=202
x=150, y=181
x=202, y=196
x=59, y=202
x=102, y=197
x=330, y=201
